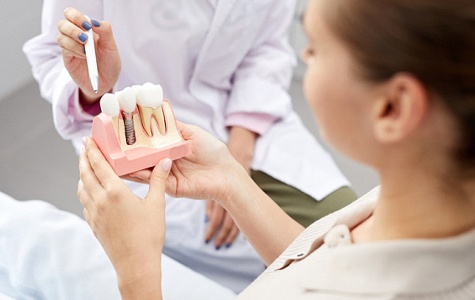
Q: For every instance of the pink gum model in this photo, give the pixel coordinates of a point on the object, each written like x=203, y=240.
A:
x=147, y=151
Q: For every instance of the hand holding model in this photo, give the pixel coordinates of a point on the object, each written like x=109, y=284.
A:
x=415, y=128
x=204, y=174
x=210, y=173
x=98, y=179
x=72, y=38
x=216, y=78
x=199, y=176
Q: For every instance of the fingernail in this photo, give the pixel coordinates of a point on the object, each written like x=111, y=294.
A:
x=95, y=23
x=84, y=140
x=86, y=25
x=207, y=241
x=206, y=219
x=167, y=164
x=218, y=247
x=228, y=245
x=83, y=37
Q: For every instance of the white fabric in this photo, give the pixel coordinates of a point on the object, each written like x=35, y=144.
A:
x=213, y=59
x=46, y=253
x=322, y=263
x=5, y=297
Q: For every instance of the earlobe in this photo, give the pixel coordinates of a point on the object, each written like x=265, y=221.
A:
x=401, y=110
x=383, y=125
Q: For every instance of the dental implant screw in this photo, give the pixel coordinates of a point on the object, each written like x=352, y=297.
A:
x=129, y=128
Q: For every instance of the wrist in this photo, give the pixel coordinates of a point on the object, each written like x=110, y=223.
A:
x=237, y=186
x=140, y=280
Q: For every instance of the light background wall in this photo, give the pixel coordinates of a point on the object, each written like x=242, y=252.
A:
x=20, y=21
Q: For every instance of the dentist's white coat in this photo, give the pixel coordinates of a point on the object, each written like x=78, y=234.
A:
x=213, y=58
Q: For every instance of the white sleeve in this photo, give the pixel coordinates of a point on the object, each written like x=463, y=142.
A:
x=56, y=86
x=261, y=82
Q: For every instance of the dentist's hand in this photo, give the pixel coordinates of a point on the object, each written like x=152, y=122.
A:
x=130, y=229
x=72, y=38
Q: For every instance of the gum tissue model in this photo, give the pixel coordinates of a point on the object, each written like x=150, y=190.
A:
x=137, y=129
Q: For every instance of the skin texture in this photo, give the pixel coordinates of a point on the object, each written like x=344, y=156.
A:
x=240, y=144
x=394, y=126
x=221, y=228
x=108, y=59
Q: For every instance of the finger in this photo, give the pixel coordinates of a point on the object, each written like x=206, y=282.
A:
x=101, y=168
x=215, y=220
x=134, y=179
x=90, y=183
x=186, y=130
x=71, y=46
x=70, y=30
x=140, y=176
x=158, y=180
x=84, y=196
x=224, y=231
x=68, y=54
x=90, y=221
x=86, y=215
x=77, y=18
x=104, y=30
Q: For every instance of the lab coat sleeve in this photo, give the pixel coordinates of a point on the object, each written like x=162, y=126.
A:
x=261, y=82
x=56, y=86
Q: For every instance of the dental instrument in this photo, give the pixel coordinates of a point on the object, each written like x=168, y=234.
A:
x=91, y=59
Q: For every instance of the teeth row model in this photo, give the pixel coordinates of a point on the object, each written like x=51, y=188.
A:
x=148, y=97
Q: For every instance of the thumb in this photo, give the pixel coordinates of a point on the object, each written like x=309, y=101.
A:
x=158, y=179
x=104, y=30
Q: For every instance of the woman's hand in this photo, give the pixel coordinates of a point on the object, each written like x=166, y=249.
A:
x=207, y=173
x=130, y=229
x=71, y=39
x=241, y=145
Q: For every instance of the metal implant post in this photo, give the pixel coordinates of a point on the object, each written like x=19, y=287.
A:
x=129, y=128
x=128, y=103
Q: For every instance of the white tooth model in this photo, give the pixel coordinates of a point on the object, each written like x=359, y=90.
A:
x=128, y=104
x=133, y=139
x=150, y=99
x=110, y=106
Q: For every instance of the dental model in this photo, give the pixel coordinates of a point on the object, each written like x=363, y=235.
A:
x=110, y=106
x=137, y=129
x=127, y=103
x=150, y=99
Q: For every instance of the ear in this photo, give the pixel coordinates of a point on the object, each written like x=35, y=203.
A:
x=401, y=109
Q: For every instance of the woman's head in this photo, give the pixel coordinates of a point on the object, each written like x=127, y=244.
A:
x=431, y=40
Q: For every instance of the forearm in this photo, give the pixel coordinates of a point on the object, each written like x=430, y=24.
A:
x=241, y=144
x=267, y=227
x=144, y=285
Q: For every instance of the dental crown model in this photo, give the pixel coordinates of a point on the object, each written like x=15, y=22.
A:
x=137, y=129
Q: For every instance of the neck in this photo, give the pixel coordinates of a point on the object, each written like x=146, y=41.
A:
x=415, y=205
